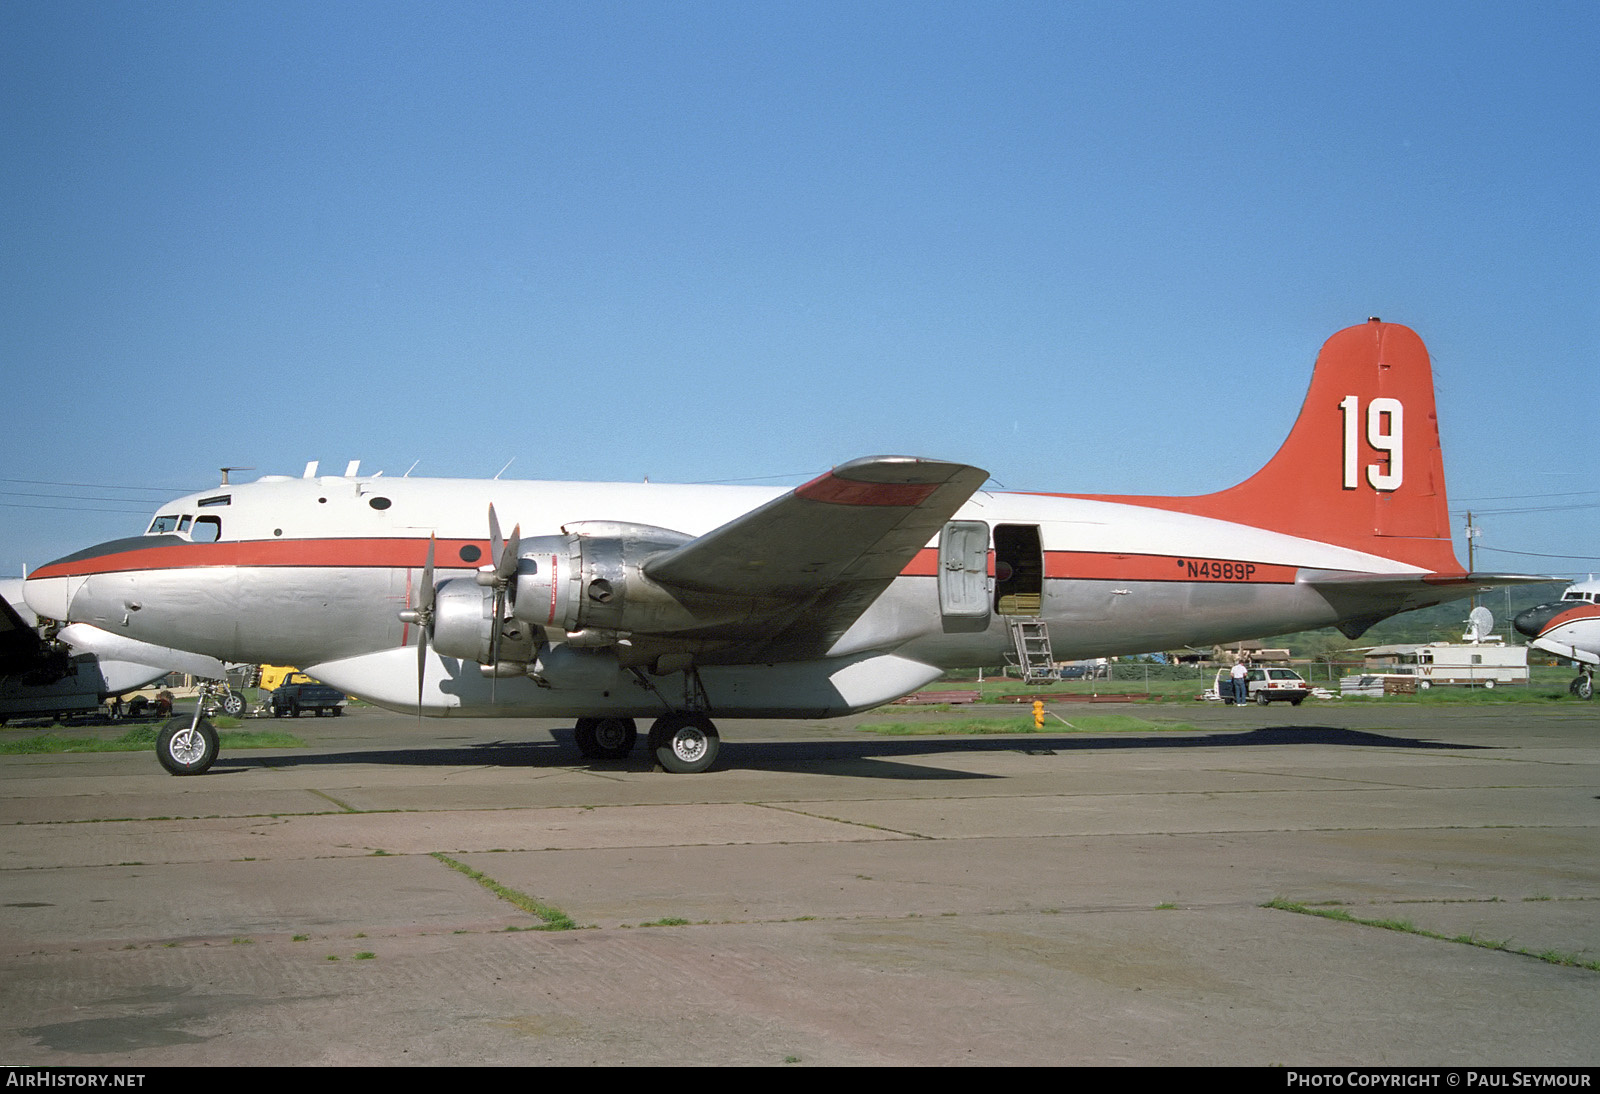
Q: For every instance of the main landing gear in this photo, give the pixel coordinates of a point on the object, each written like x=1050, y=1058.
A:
x=684, y=744
x=606, y=738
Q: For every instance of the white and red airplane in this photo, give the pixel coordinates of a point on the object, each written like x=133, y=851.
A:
x=613, y=601
x=1570, y=628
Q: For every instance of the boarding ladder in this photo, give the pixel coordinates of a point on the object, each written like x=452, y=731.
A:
x=1031, y=640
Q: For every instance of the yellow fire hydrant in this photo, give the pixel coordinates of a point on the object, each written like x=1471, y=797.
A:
x=1038, y=714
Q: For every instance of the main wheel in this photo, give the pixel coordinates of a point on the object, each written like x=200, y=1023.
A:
x=185, y=747
x=684, y=744
x=1583, y=687
x=232, y=704
x=606, y=738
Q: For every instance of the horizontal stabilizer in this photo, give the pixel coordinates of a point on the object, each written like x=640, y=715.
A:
x=1364, y=599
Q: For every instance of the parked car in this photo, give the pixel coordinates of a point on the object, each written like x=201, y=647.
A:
x=1269, y=685
x=299, y=692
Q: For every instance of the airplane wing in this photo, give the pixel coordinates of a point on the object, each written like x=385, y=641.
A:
x=1366, y=599
x=20, y=646
x=820, y=554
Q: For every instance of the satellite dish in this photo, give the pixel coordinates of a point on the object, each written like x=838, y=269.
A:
x=1480, y=624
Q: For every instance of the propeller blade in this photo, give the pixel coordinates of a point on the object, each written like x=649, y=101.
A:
x=496, y=544
x=425, y=594
x=422, y=667
x=506, y=563
x=424, y=613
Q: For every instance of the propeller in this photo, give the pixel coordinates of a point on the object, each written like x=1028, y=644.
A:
x=421, y=613
x=504, y=555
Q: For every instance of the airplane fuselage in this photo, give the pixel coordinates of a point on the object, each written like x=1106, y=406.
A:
x=314, y=572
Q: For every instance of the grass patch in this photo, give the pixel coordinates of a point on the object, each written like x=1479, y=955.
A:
x=667, y=921
x=140, y=739
x=1405, y=926
x=1082, y=723
x=554, y=919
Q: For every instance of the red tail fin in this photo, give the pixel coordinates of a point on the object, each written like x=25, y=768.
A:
x=1362, y=467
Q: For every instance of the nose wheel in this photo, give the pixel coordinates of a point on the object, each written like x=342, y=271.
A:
x=186, y=745
x=684, y=744
x=1583, y=686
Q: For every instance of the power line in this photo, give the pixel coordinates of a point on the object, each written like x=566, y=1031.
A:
x=1530, y=509
x=1522, y=497
x=97, y=486
x=1538, y=554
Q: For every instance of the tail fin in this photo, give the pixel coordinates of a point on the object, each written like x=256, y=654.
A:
x=1362, y=466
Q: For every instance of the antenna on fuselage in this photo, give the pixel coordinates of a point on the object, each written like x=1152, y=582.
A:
x=502, y=471
x=311, y=470
x=225, y=471
x=351, y=468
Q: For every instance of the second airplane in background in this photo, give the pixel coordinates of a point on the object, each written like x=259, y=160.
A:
x=1570, y=628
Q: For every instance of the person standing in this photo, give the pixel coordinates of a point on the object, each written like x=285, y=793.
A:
x=1241, y=686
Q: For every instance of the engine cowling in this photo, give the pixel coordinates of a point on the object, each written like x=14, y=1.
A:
x=463, y=625
x=588, y=583
x=584, y=589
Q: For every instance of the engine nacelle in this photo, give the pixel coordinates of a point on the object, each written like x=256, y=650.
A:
x=463, y=625
x=588, y=582
x=587, y=585
x=463, y=620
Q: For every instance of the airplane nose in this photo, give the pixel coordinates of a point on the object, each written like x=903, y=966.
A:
x=49, y=597
x=1532, y=622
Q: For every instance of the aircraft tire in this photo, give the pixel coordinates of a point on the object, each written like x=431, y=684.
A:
x=1583, y=687
x=183, y=753
x=606, y=738
x=684, y=744
x=233, y=704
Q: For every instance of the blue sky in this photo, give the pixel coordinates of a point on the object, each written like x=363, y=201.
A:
x=1088, y=246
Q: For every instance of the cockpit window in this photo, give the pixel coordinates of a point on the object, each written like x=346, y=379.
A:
x=207, y=529
x=162, y=525
x=183, y=524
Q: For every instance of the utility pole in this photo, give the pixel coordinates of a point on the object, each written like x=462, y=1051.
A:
x=1472, y=567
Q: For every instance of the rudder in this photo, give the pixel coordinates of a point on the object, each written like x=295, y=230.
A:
x=1362, y=467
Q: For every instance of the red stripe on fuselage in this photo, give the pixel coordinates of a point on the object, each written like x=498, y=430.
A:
x=412, y=554
x=1574, y=614
x=357, y=553
x=1099, y=566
